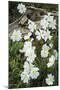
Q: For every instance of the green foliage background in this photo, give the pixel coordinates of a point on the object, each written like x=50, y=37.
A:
x=16, y=59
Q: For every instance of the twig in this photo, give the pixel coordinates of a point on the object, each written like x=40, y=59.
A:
x=43, y=10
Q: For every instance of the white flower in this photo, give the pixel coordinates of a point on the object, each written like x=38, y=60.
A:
x=52, y=21
x=50, y=79
x=30, y=54
x=34, y=73
x=31, y=26
x=45, y=51
x=16, y=35
x=48, y=17
x=48, y=35
x=21, y=7
x=51, y=45
x=44, y=24
x=25, y=77
x=48, y=21
x=27, y=45
x=51, y=61
x=26, y=37
x=55, y=54
x=38, y=35
x=29, y=51
x=28, y=66
x=33, y=70
x=45, y=47
x=52, y=24
x=31, y=58
x=44, y=34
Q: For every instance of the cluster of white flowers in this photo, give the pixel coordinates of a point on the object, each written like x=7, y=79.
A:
x=51, y=62
x=29, y=51
x=45, y=51
x=50, y=79
x=30, y=71
x=48, y=22
x=16, y=35
x=21, y=7
x=43, y=34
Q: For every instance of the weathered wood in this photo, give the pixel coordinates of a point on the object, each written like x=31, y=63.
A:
x=17, y=24
x=54, y=13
